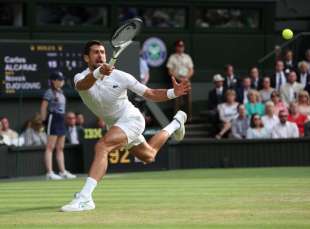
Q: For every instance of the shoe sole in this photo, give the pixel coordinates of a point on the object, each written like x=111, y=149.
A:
x=181, y=130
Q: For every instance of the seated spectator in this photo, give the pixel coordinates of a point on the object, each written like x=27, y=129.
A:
x=73, y=132
x=297, y=118
x=270, y=119
x=10, y=136
x=240, y=124
x=303, y=103
x=80, y=120
x=3, y=138
x=284, y=129
x=227, y=112
x=290, y=90
x=278, y=104
x=216, y=97
x=288, y=60
x=217, y=94
x=34, y=135
x=279, y=78
x=265, y=92
x=101, y=124
x=243, y=90
x=231, y=80
x=257, y=129
x=307, y=58
x=304, y=75
x=254, y=105
x=255, y=79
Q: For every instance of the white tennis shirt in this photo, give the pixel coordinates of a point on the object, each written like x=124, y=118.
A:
x=107, y=98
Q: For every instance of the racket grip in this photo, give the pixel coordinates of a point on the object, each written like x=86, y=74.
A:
x=112, y=61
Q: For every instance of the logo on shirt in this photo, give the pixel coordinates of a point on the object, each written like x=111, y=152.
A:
x=154, y=51
x=115, y=86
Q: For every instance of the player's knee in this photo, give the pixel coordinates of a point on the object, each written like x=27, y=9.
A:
x=101, y=149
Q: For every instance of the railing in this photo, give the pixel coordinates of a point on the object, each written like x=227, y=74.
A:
x=284, y=45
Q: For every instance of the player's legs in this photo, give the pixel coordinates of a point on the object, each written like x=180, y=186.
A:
x=147, y=151
x=114, y=139
x=60, y=142
x=48, y=155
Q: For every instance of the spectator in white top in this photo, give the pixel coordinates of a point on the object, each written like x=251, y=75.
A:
x=240, y=124
x=265, y=92
x=290, y=90
x=227, y=112
x=269, y=119
x=34, y=134
x=257, y=129
x=10, y=135
x=180, y=66
x=284, y=129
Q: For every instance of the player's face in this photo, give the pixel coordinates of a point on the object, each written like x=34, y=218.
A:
x=58, y=83
x=96, y=56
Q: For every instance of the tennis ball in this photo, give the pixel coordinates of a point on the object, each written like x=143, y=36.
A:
x=287, y=34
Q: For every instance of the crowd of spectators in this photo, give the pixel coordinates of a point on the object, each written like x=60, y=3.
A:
x=34, y=131
x=255, y=107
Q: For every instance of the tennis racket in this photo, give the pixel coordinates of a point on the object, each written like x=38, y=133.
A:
x=123, y=37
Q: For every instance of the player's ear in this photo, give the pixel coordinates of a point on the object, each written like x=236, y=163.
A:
x=86, y=58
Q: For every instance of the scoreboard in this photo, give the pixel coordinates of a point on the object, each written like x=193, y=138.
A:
x=25, y=66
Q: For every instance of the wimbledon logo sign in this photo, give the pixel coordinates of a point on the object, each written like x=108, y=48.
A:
x=154, y=51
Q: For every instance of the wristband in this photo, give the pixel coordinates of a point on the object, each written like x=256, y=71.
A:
x=170, y=94
x=97, y=74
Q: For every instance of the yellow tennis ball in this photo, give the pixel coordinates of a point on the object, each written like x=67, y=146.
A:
x=287, y=34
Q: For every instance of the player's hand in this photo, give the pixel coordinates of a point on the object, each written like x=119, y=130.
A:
x=106, y=69
x=181, y=88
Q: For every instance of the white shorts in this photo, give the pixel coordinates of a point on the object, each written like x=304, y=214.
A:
x=132, y=123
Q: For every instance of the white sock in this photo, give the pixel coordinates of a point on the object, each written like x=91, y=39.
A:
x=89, y=187
x=172, y=126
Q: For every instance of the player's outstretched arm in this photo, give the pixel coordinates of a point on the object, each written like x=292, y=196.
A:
x=160, y=95
x=89, y=80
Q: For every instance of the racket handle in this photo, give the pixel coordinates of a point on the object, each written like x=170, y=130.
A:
x=112, y=61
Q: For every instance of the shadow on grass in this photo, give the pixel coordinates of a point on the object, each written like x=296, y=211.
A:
x=21, y=210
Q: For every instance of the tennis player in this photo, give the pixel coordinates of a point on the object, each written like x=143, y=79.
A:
x=104, y=91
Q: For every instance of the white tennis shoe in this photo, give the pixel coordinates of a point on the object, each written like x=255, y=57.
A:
x=67, y=175
x=181, y=117
x=78, y=204
x=53, y=176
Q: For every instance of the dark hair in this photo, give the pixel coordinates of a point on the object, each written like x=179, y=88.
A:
x=252, y=124
x=89, y=44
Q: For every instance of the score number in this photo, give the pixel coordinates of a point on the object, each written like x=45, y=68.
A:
x=120, y=156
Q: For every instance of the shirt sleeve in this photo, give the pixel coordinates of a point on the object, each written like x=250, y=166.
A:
x=170, y=62
x=190, y=62
x=78, y=77
x=135, y=86
x=48, y=95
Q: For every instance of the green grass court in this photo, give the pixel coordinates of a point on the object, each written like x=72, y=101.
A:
x=208, y=198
